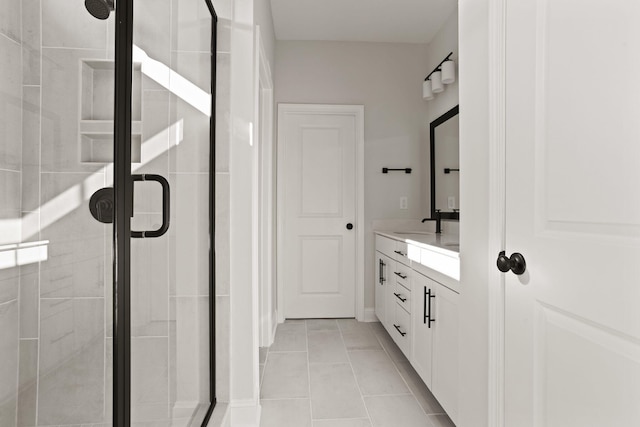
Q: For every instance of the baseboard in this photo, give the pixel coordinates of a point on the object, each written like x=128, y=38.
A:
x=274, y=327
x=370, y=315
x=244, y=413
x=220, y=416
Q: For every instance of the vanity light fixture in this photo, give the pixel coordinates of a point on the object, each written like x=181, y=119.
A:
x=448, y=72
x=436, y=82
x=427, y=93
x=444, y=73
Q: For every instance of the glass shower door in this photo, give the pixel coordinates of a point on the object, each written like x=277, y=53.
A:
x=171, y=166
x=67, y=200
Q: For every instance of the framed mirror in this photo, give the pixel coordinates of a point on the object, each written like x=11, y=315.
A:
x=445, y=166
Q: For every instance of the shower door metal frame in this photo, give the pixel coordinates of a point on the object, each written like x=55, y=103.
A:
x=123, y=210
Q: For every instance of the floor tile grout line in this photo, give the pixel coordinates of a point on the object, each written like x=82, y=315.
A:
x=306, y=339
x=354, y=376
x=395, y=365
x=386, y=347
x=283, y=398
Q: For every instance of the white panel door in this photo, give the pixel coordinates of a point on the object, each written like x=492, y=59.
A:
x=318, y=184
x=573, y=210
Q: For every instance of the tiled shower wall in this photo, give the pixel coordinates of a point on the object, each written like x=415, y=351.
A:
x=19, y=186
x=11, y=111
x=61, y=325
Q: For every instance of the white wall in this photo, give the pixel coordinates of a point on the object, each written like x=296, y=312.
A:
x=474, y=227
x=243, y=291
x=263, y=18
x=387, y=79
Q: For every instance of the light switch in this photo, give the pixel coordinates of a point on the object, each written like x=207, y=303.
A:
x=404, y=202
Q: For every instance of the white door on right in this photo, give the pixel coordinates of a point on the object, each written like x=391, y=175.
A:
x=573, y=210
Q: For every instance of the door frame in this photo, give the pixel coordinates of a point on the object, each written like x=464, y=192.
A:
x=357, y=111
x=497, y=210
x=264, y=261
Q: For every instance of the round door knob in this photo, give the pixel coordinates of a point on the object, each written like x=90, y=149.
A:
x=349, y=226
x=503, y=262
x=101, y=205
x=516, y=263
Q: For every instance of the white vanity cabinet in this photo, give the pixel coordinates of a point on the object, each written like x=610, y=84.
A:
x=435, y=338
x=420, y=314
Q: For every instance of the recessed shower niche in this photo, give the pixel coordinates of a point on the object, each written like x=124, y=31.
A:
x=96, y=111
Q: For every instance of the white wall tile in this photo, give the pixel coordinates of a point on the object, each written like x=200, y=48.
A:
x=69, y=24
x=189, y=252
x=71, y=365
x=222, y=241
x=10, y=19
x=223, y=332
x=31, y=42
x=9, y=345
x=30, y=148
x=28, y=382
x=10, y=102
x=191, y=26
x=149, y=379
x=29, y=299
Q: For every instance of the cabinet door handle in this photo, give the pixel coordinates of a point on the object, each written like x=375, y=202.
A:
x=398, y=329
x=400, y=253
x=400, y=275
x=400, y=297
x=427, y=307
x=381, y=272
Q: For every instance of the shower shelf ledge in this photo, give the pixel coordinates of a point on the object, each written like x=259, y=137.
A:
x=96, y=141
x=106, y=126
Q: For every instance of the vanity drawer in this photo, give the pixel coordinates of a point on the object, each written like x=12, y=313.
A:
x=403, y=297
x=401, y=252
x=386, y=246
x=402, y=274
x=402, y=326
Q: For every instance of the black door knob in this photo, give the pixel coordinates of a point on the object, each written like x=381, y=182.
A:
x=349, y=226
x=516, y=263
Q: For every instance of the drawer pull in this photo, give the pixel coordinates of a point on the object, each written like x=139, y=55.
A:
x=400, y=253
x=398, y=329
x=400, y=275
x=381, y=272
x=400, y=297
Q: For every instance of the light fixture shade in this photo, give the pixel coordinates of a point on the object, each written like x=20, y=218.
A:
x=427, y=93
x=448, y=72
x=436, y=82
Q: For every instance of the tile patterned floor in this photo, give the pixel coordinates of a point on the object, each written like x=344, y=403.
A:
x=342, y=373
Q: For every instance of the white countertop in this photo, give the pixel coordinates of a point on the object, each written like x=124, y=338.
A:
x=446, y=244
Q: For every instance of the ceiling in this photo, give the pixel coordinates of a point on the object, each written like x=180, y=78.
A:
x=397, y=21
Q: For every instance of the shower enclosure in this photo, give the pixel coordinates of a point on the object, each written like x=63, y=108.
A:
x=106, y=212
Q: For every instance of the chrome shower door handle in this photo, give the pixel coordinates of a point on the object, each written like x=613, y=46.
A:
x=166, y=201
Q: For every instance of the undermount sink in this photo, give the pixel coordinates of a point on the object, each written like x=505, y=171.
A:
x=426, y=233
